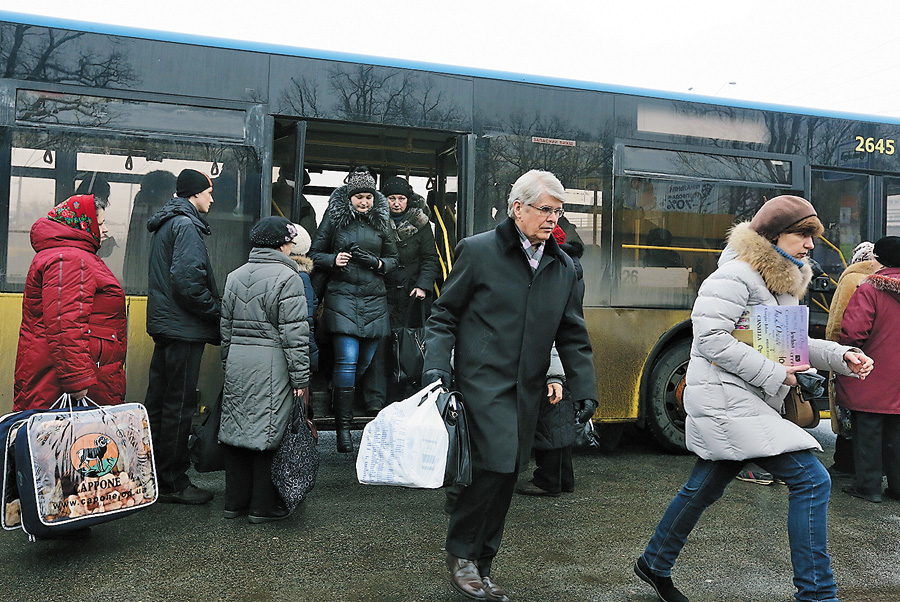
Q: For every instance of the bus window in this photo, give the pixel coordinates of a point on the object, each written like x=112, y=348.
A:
x=140, y=177
x=668, y=235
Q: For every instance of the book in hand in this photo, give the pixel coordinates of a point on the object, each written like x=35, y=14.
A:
x=779, y=332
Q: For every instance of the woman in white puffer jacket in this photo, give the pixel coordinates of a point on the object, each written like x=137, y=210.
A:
x=735, y=395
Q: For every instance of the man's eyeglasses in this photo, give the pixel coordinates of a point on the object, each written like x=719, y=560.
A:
x=546, y=210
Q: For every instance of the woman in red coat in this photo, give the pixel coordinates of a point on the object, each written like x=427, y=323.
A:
x=871, y=322
x=73, y=334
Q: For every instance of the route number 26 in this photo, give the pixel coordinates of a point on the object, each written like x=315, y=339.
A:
x=871, y=145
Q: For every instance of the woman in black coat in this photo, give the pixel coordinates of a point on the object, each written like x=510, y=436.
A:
x=410, y=285
x=355, y=249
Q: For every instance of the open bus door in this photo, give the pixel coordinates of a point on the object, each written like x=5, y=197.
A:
x=310, y=160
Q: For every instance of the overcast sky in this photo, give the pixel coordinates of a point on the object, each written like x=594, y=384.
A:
x=830, y=55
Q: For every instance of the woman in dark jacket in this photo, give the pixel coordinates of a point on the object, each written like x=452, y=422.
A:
x=266, y=360
x=355, y=249
x=73, y=333
x=410, y=285
x=871, y=322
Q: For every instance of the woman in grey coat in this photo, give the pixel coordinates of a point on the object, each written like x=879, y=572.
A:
x=735, y=395
x=266, y=357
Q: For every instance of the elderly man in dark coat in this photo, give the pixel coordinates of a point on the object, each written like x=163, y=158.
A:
x=512, y=293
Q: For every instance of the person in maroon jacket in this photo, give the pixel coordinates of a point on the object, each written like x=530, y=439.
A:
x=73, y=333
x=871, y=322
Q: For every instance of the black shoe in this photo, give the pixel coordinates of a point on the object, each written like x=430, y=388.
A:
x=892, y=495
x=875, y=498
x=664, y=587
x=191, y=495
x=277, y=513
x=230, y=514
x=837, y=473
x=529, y=488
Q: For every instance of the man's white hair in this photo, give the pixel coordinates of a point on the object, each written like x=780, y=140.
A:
x=531, y=185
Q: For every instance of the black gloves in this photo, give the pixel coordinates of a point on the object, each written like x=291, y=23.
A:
x=429, y=376
x=362, y=257
x=584, y=410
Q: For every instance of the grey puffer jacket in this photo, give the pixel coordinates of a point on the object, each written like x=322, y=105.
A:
x=355, y=297
x=264, y=349
x=734, y=394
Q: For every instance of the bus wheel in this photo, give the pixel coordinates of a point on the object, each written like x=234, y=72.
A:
x=665, y=414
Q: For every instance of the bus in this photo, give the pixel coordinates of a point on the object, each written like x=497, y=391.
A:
x=654, y=180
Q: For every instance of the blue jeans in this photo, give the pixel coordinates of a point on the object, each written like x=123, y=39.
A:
x=810, y=490
x=351, y=358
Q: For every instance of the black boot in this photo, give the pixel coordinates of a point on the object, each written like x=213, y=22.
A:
x=343, y=416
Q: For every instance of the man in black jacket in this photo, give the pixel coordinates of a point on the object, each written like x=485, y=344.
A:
x=182, y=316
x=512, y=293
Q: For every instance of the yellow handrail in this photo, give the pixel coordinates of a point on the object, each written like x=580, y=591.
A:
x=688, y=249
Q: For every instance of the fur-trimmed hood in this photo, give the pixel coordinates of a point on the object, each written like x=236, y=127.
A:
x=416, y=217
x=342, y=212
x=887, y=280
x=779, y=273
x=304, y=263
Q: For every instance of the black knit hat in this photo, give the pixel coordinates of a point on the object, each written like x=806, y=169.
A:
x=358, y=181
x=191, y=182
x=396, y=185
x=887, y=251
x=272, y=232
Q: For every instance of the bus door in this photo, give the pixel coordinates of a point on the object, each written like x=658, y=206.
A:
x=310, y=159
x=455, y=179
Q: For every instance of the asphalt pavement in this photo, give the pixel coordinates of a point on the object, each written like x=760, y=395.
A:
x=350, y=542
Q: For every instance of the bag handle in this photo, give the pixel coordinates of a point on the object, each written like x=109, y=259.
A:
x=302, y=412
x=66, y=401
x=409, y=311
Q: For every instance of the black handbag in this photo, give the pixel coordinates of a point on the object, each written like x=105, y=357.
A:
x=203, y=443
x=296, y=461
x=459, y=455
x=408, y=350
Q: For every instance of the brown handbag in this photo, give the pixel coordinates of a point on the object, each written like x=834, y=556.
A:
x=800, y=411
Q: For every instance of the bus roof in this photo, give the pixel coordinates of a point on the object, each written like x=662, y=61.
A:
x=266, y=48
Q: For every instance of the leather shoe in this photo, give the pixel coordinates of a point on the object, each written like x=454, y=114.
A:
x=229, y=514
x=665, y=589
x=465, y=579
x=529, y=488
x=494, y=592
x=191, y=495
x=277, y=513
x=875, y=498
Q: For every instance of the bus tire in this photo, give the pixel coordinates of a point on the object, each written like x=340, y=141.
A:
x=664, y=414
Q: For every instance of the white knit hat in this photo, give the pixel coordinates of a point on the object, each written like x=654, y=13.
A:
x=302, y=241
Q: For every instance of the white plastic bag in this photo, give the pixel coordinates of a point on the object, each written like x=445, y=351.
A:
x=405, y=444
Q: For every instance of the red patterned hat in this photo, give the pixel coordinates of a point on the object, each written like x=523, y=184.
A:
x=78, y=212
